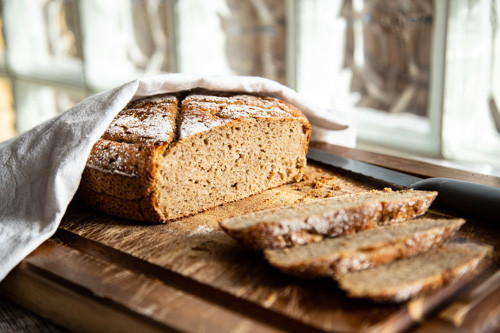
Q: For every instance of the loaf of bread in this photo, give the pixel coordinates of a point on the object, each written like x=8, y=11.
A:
x=166, y=157
x=406, y=278
x=362, y=250
x=310, y=221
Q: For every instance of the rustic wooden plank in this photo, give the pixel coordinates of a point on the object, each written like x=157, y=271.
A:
x=197, y=248
x=476, y=311
x=83, y=293
x=313, y=295
x=14, y=319
x=150, y=277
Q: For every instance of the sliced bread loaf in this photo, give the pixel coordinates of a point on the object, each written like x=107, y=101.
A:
x=168, y=156
x=309, y=221
x=379, y=245
x=409, y=277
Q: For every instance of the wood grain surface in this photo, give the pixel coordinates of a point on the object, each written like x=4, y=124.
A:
x=14, y=318
x=100, y=273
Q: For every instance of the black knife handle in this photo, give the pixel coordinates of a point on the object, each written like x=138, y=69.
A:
x=475, y=199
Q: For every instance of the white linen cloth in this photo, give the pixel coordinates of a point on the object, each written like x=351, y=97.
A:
x=40, y=170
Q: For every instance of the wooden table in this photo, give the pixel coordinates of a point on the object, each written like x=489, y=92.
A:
x=104, y=274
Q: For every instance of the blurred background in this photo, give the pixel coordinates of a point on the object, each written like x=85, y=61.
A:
x=418, y=78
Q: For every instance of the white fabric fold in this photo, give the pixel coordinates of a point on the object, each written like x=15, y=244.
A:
x=40, y=170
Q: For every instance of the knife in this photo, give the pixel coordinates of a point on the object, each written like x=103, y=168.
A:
x=476, y=199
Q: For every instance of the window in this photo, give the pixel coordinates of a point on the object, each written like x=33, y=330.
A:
x=419, y=76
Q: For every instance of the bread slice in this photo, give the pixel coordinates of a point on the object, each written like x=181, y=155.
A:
x=309, y=221
x=410, y=277
x=167, y=157
x=379, y=245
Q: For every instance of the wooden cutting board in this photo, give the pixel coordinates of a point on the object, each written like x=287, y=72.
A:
x=100, y=273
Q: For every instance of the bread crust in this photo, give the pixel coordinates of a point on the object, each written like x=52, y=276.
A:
x=343, y=215
x=278, y=234
x=120, y=177
x=136, y=209
x=351, y=258
x=442, y=270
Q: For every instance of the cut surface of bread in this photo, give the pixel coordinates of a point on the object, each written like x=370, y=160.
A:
x=409, y=277
x=309, y=221
x=379, y=245
x=166, y=157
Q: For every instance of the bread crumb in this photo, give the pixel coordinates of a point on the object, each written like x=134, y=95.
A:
x=203, y=230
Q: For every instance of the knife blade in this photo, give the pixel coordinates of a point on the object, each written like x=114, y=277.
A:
x=475, y=199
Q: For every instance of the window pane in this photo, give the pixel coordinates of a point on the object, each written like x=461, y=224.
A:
x=255, y=34
x=233, y=37
x=2, y=42
x=7, y=113
x=37, y=102
x=125, y=39
x=373, y=60
x=471, y=125
x=42, y=39
x=201, y=40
